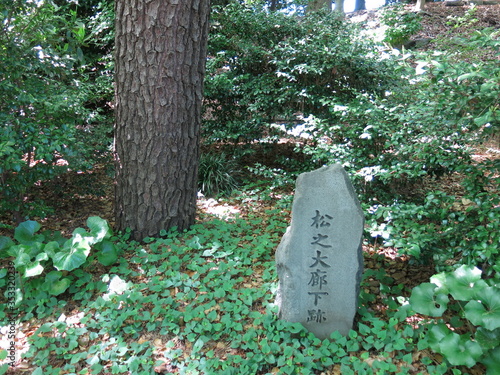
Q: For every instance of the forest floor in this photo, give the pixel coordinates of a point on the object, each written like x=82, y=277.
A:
x=439, y=21
x=78, y=196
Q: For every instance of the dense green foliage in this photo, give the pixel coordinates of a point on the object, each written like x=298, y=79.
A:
x=475, y=301
x=39, y=99
x=406, y=126
x=266, y=68
x=202, y=302
x=192, y=291
x=48, y=126
x=217, y=174
x=420, y=132
x=401, y=24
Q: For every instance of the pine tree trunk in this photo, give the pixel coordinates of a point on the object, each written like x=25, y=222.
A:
x=160, y=64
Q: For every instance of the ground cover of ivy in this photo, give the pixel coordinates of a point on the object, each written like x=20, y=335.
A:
x=201, y=302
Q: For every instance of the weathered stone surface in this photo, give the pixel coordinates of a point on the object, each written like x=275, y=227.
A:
x=319, y=260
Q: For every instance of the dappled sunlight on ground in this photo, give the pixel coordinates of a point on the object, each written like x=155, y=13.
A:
x=221, y=210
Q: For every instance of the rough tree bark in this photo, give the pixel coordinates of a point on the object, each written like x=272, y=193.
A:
x=160, y=65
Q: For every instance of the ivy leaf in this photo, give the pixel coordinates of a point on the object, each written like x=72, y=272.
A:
x=42, y=256
x=108, y=254
x=20, y=253
x=5, y=243
x=52, y=277
x=59, y=287
x=264, y=346
x=74, y=257
x=492, y=361
x=425, y=301
x=51, y=248
x=436, y=334
x=461, y=282
x=33, y=269
x=485, y=311
x=295, y=328
x=198, y=345
x=459, y=350
x=99, y=229
x=209, y=252
x=488, y=339
x=194, y=243
x=54, y=284
x=25, y=232
x=223, y=254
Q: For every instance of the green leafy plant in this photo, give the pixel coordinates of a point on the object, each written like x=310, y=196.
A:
x=35, y=255
x=401, y=24
x=423, y=132
x=46, y=122
x=266, y=67
x=217, y=174
x=473, y=333
x=209, y=293
x=467, y=19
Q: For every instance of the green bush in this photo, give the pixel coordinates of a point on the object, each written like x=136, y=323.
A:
x=268, y=67
x=207, y=296
x=433, y=231
x=46, y=126
x=398, y=144
x=401, y=24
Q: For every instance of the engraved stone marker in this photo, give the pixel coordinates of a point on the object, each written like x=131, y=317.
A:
x=319, y=260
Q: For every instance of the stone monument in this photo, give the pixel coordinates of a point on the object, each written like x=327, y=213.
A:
x=319, y=260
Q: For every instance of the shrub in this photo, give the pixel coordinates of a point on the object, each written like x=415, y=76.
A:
x=401, y=24
x=417, y=133
x=268, y=67
x=45, y=123
x=217, y=174
x=46, y=263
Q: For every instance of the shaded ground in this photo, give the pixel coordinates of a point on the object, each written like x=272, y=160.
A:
x=74, y=207
x=438, y=20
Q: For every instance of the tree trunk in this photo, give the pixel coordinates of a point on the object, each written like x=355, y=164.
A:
x=420, y=5
x=160, y=65
x=317, y=5
x=339, y=6
x=359, y=5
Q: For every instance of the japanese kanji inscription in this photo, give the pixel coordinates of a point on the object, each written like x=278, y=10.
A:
x=319, y=259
